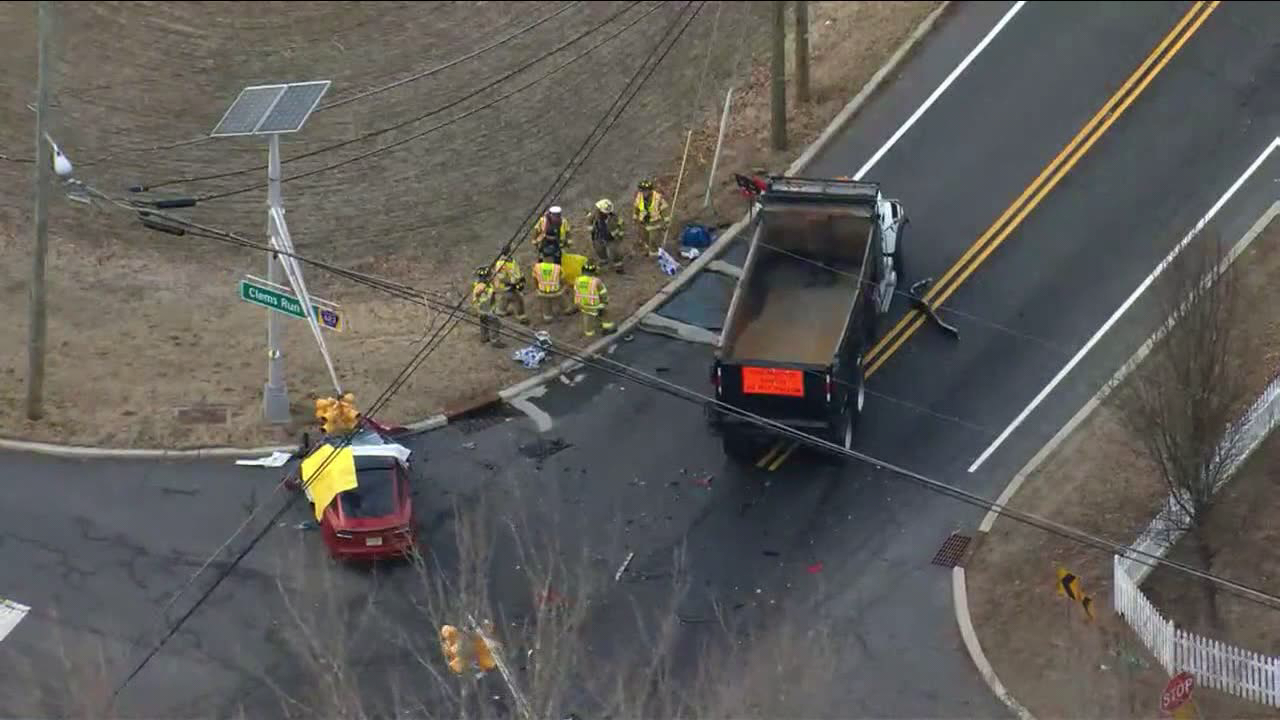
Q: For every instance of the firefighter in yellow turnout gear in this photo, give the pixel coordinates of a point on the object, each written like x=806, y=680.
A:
x=551, y=234
x=592, y=298
x=482, y=303
x=606, y=234
x=509, y=285
x=650, y=210
x=549, y=277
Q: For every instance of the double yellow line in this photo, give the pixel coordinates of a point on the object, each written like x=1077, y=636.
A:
x=1013, y=216
x=1048, y=178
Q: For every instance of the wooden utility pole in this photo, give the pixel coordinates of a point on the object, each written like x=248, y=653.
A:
x=802, y=51
x=36, y=326
x=778, y=81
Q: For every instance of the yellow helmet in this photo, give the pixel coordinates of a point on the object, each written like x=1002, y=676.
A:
x=604, y=205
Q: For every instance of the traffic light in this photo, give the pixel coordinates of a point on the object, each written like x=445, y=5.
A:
x=327, y=414
x=483, y=657
x=337, y=415
x=451, y=643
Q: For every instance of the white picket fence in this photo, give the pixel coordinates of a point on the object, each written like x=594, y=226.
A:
x=1214, y=664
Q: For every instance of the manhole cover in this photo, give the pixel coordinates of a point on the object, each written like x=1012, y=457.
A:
x=952, y=550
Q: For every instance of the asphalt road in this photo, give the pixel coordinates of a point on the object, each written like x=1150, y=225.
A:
x=104, y=543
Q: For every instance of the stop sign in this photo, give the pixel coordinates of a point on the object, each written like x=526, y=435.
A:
x=1177, y=692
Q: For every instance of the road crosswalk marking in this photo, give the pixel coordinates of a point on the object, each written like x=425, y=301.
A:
x=11, y=613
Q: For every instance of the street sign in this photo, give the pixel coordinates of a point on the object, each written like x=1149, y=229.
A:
x=1069, y=586
x=275, y=297
x=1177, y=692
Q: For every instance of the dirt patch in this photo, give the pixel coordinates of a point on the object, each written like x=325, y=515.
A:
x=1099, y=481
x=142, y=324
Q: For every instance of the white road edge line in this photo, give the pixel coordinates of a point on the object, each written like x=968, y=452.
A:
x=1182, y=244
x=11, y=613
x=973, y=54
x=960, y=598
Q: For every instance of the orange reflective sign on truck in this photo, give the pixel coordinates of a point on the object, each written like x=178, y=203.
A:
x=772, y=381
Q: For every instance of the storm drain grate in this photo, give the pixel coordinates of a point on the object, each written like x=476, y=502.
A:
x=952, y=550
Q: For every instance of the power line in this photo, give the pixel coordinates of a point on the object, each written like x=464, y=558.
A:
x=337, y=103
x=415, y=362
x=390, y=128
x=441, y=68
x=439, y=126
x=619, y=369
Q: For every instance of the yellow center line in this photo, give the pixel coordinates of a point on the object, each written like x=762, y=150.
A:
x=1038, y=189
x=783, y=457
x=769, y=455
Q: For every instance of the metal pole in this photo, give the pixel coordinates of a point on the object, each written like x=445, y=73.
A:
x=36, y=322
x=675, y=199
x=802, y=51
x=778, y=77
x=715, y=159
x=275, y=396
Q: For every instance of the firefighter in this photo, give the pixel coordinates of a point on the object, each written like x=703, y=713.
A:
x=592, y=299
x=482, y=302
x=606, y=234
x=551, y=234
x=650, y=215
x=509, y=285
x=548, y=276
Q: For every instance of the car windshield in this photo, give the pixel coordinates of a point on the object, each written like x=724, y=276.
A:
x=374, y=495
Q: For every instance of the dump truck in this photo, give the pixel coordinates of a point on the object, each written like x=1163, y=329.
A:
x=823, y=266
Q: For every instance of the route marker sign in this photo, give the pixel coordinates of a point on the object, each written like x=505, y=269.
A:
x=257, y=291
x=1177, y=695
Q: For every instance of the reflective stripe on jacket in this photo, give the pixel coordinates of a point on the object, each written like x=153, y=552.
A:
x=548, y=276
x=481, y=295
x=507, y=273
x=588, y=293
x=647, y=214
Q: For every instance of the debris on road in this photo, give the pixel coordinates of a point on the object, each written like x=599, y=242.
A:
x=469, y=445
x=704, y=481
x=617, y=577
x=815, y=568
x=530, y=357
x=772, y=553
x=274, y=460
x=306, y=525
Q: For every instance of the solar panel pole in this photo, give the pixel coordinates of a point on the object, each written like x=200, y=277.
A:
x=275, y=396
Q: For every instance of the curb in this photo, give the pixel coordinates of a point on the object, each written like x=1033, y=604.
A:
x=959, y=588
x=684, y=278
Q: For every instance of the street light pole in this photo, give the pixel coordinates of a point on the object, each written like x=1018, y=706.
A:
x=36, y=317
x=275, y=396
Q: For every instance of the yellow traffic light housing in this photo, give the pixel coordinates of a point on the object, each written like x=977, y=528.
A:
x=451, y=644
x=337, y=415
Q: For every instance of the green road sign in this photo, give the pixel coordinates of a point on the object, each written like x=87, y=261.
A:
x=274, y=297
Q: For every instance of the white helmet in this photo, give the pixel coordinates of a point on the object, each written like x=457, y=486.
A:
x=554, y=210
x=604, y=206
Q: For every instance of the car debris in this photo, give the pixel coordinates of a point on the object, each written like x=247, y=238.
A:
x=617, y=577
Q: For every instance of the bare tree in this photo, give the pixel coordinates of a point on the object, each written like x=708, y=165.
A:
x=1182, y=404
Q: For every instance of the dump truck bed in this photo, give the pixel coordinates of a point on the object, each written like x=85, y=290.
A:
x=802, y=316
x=800, y=285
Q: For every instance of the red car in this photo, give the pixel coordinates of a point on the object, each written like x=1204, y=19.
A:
x=375, y=519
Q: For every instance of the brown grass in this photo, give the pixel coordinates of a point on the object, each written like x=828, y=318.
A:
x=1099, y=481
x=141, y=324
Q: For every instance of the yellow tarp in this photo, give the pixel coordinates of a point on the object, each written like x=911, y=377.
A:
x=338, y=475
x=571, y=267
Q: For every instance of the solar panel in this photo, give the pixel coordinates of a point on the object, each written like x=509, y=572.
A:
x=293, y=108
x=247, y=111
